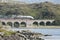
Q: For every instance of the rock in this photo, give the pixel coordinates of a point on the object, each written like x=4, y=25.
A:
x=20, y=36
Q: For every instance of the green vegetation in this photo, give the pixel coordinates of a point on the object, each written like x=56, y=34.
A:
x=6, y=33
x=45, y=10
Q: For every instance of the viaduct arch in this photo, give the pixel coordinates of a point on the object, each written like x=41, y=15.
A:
x=17, y=23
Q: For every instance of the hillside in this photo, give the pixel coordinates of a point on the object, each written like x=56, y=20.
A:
x=46, y=10
x=43, y=10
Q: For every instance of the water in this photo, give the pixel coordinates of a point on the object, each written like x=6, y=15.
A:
x=52, y=38
x=54, y=32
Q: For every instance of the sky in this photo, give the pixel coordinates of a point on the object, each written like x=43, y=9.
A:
x=30, y=1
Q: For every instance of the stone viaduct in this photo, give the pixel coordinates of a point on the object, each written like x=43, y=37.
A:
x=16, y=23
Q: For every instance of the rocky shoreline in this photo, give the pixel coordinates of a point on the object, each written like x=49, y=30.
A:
x=23, y=35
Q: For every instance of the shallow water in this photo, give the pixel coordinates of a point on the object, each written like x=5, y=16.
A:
x=52, y=38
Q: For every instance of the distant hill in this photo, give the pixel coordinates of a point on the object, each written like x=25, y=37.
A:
x=43, y=10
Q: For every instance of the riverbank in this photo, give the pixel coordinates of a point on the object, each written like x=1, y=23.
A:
x=19, y=35
x=29, y=34
x=41, y=27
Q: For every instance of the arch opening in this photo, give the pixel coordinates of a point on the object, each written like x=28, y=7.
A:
x=41, y=23
x=48, y=23
x=35, y=23
x=9, y=23
x=16, y=24
x=53, y=23
x=23, y=24
x=3, y=23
